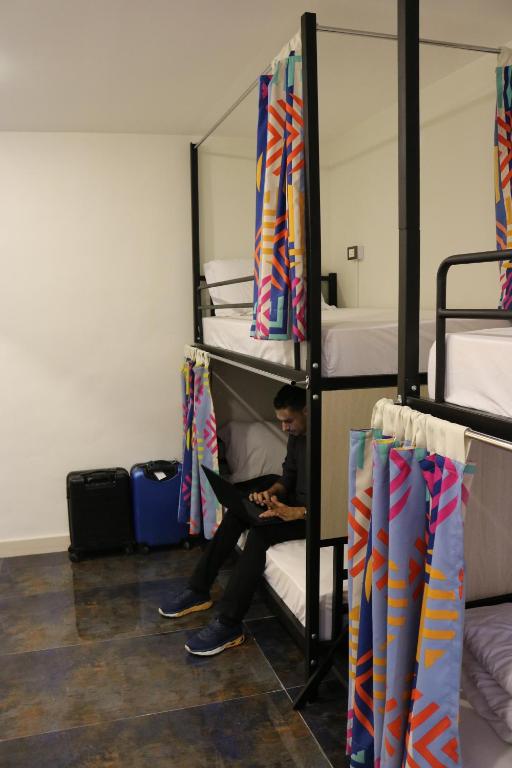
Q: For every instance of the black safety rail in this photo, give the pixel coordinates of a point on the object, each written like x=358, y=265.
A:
x=495, y=426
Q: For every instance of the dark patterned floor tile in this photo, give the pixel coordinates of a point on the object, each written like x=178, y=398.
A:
x=91, y=683
x=258, y=732
x=282, y=652
x=55, y=619
x=327, y=719
x=34, y=574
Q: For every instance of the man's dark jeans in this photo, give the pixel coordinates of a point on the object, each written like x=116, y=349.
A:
x=250, y=565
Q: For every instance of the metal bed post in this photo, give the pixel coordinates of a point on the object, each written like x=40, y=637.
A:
x=314, y=392
x=408, y=199
x=196, y=277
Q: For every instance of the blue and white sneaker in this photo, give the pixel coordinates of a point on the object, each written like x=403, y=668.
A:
x=185, y=602
x=214, y=638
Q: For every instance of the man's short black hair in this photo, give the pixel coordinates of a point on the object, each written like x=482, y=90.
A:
x=290, y=397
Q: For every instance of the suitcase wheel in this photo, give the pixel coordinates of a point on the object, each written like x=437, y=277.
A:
x=74, y=557
x=185, y=544
x=144, y=549
x=128, y=549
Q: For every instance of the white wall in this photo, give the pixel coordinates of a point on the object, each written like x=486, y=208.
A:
x=95, y=305
x=457, y=194
x=227, y=198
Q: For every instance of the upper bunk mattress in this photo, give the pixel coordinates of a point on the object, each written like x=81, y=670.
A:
x=355, y=341
x=478, y=370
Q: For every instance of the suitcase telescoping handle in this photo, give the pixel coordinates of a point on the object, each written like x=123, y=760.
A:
x=101, y=478
x=169, y=468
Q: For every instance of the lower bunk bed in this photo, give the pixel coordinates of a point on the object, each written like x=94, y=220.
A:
x=255, y=448
x=285, y=577
x=486, y=698
x=481, y=746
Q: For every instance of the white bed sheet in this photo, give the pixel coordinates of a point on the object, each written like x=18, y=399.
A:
x=478, y=370
x=355, y=341
x=285, y=571
x=480, y=746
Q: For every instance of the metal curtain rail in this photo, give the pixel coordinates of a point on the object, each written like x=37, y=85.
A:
x=252, y=369
x=481, y=438
x=423, y=41
x=232, y=108
x=354, y=33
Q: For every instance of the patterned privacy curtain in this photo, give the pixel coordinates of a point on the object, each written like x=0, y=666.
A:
x=503, y=170
x=406, y=590
x=279, y=255
x=198, y=505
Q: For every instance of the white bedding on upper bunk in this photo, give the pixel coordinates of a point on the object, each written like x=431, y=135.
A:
x=478, y=370
x=355, y=341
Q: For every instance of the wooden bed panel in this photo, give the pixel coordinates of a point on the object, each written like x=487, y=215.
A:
x=487, y=528
x=342, y=410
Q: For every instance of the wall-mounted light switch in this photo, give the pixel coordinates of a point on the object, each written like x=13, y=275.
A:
x=352, y=252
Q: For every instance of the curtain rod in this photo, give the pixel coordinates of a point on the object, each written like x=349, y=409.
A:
x=424, y=41
x=356, y=33
x=482, y=438
x=259, y=371
x=232, y=108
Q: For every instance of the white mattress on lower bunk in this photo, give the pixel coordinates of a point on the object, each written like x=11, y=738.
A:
x=355, y=341
x=480, y=746
x=285, y=571
x=478, y=370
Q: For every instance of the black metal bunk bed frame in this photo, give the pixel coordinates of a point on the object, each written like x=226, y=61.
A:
x=409, y=255
x=317, y=655
x=489, y=427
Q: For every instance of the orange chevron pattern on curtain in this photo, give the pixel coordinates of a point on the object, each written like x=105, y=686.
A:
x=279, y=255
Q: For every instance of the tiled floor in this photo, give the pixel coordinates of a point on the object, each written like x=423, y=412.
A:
x=92, y=677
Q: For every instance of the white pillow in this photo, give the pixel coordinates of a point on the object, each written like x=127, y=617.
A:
x=253, y=449
x=238, y=293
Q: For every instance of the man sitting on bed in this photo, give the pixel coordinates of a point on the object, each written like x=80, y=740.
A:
x=285, y=499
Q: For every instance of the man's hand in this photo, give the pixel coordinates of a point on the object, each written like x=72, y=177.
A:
x=277, y=509
x=263, y=497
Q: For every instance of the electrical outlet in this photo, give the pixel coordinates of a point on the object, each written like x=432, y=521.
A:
x=352, y=252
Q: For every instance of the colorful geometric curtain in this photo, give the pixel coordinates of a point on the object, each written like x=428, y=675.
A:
x=198, y=505
x=279, y=251
x=503, y=170
x=406, y=598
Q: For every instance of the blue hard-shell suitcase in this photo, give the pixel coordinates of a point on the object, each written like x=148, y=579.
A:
x=155, y=498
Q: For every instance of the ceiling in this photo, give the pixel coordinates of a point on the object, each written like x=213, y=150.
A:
x=174, y=66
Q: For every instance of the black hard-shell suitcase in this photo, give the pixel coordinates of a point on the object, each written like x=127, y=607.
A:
x=99, y=511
